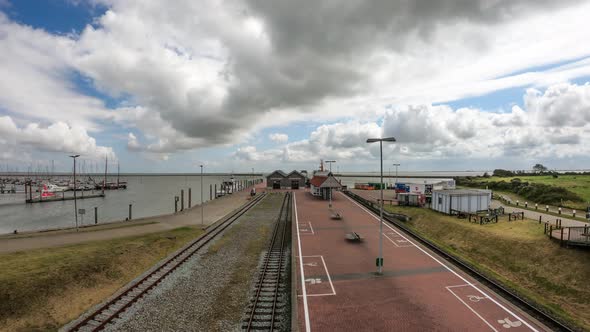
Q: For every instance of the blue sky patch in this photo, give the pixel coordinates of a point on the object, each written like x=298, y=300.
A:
x=55, y=16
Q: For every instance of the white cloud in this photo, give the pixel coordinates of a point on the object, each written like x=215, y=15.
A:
x=278, y=137
x=426, y=132
x=206, y=73
x=57, y=137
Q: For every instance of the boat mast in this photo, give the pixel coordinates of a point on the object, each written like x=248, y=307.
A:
x=104, y=182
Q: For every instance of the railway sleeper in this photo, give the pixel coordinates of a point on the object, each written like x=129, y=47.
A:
x=266, y=304
x=262, y=325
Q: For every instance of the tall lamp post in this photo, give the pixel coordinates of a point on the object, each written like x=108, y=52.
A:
x=202, y=207
x=396, y=165
x=330, y=162
x=75, y=197
x=380, y=258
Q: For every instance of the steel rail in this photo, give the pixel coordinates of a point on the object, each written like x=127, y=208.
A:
x=101, y=316
x=279, y=233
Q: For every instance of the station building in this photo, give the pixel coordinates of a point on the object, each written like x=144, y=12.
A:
x=461, y=200
x=281, y=180
x=322, y=183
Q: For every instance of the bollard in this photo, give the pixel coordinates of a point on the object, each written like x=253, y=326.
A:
x=175, y=204
x=95, y=215
x=130, y=214
x=516, y=202
x=526, y=204
x=540, y=220
x=574, y=213
x=182, y=200
x=536, y=206
x=189, y=198
x=210, y=192
x=559, y=210
x=547, y=208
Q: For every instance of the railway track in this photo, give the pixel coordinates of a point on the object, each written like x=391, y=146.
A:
x=268, y=309
x=531, y=308
x=106, y=313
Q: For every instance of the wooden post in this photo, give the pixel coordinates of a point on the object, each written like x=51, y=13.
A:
x=175, y=204
x=210, y=192
x=189, y=198
x=540, y=219
x=215, y=192
x=181, y=199
x=130, y=214
x=561, y=239
x=545, y=228
x=95, y=215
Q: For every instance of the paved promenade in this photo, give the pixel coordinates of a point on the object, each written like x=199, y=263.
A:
x=418, y=290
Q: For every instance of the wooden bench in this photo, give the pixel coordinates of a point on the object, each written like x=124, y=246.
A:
x=336, y=216
x=353, y=236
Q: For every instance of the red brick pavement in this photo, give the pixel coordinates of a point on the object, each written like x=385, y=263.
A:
x=415, y=293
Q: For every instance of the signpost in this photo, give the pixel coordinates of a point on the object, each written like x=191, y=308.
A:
x=82, y=212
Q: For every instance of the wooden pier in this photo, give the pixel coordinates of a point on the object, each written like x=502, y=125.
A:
x=62, y=198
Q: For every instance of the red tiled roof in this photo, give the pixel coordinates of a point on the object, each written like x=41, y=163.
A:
x=317, y=181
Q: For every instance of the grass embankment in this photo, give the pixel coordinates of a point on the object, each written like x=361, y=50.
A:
x=41, y=290
x=571, y=191
x=517, y=254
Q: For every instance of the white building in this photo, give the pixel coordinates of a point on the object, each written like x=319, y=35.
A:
x=323, y=183
x=463, y=200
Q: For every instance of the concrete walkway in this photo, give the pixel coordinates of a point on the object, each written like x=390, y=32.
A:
x=535, y=215
x=213, y=211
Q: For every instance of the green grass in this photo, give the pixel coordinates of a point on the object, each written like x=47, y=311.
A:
x=40, y=290
x=518, y=255
x=578, y=184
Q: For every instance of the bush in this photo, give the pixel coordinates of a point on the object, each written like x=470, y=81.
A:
x=503, y=173
x=535, y=192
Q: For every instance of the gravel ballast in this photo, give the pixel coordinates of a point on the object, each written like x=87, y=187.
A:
x=209, y=291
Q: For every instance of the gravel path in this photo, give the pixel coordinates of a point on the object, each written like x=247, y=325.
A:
x=209, y=292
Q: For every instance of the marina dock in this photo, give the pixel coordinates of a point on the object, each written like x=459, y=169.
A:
x=62, y=198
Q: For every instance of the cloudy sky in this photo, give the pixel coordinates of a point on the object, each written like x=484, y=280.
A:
x=163, y=86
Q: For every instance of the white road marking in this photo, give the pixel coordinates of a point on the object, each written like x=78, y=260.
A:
x=305, y=308
x=448, y=268
x=328, y=274
x=470, y=308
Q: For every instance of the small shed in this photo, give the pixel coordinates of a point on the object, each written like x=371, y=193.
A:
x=281, y=180
x=275, y=179
x=461, y=200
x=295, y=180
x=322, y=184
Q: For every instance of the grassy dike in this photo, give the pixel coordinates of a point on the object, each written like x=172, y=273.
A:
x=43, y=289
x=518, y=255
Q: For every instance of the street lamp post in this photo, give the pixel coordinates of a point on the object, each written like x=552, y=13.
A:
x=380, y=258
x=202, y=207
x=396, y=165
x=330, y=162
x=75, y=197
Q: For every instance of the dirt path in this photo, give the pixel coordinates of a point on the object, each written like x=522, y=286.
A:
x=213, y=211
